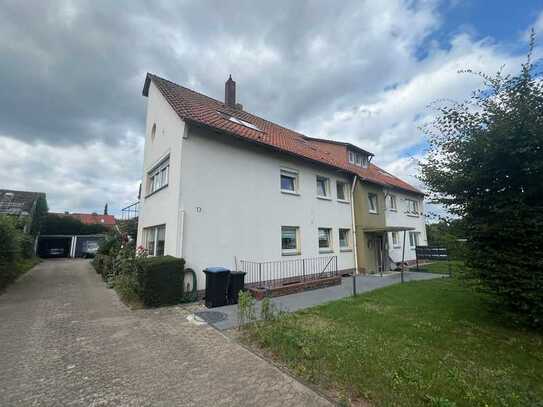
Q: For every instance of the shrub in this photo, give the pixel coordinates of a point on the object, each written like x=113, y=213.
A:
x=26, y=244
x=246, y=308
x=128, y=288
x=9, y=239
x=160, y=280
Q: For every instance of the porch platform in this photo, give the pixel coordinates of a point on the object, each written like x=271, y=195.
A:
x=307, y=299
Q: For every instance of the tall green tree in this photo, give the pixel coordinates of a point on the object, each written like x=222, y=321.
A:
x=485, y=164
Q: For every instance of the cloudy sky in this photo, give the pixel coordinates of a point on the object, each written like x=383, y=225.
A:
x=72, y=72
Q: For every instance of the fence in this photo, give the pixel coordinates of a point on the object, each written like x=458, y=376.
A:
x=272, y=274
x=433, y=253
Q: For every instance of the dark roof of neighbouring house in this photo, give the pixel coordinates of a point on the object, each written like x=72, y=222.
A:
x=18, y=202
x=91, y=218
x=199, y=109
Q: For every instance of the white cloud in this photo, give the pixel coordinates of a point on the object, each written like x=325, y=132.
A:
x=74, y=178
x=351, y=73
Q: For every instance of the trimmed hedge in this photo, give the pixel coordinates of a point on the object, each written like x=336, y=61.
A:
x=160, y=280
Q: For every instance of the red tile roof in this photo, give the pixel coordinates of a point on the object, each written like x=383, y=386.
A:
x=91, y=218
x=200, y=109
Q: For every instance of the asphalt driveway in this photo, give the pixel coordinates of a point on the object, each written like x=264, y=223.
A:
x=65, y=339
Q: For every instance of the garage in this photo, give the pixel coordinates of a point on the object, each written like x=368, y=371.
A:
x=51, y=246
x=54, y=246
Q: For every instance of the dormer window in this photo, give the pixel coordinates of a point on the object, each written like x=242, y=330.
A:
x=358, y=158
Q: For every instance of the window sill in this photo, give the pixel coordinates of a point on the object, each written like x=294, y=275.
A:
x=392, y=210
x=322, y=251
x=373, y=213
x=155, y=191
x=413, y=215
x=344, y=201
x=396, y=247
x=291, y=253
x=345, y=250
x=286, y=191
x=324, y=198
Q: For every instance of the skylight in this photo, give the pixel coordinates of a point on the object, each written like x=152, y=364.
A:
x=241, y=122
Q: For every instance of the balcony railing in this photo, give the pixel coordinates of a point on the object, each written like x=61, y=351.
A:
x=130, y=211
x=272, y=274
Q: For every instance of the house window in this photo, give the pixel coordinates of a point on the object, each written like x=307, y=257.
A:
x=344, y=239
x=392, y=202
x=325, y=239
x=289, y=181
x=323, y=187
x=290, y=240
x=414, y=239
x=395, y=239
x=372, y=203
x=154, y=240
x=412, y=206
x=343, y=193
x=158, y=177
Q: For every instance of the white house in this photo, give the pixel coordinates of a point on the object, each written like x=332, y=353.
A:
x=221, y=186
x=404, y=209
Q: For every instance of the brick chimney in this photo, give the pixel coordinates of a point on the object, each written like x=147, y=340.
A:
x=230, y=93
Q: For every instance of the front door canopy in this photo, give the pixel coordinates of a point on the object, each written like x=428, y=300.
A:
x=388, y=229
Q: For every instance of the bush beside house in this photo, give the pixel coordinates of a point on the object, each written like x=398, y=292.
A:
x=16, y=250
x=140, y=280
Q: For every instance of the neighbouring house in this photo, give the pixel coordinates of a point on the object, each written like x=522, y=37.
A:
x=224, y=187
x=108, y=221
x=20, y=204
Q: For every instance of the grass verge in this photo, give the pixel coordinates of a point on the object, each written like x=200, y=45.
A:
x=433, y=343
x=442, y=267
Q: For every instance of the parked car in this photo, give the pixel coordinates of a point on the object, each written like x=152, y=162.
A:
x=90, y=250
x=56, y=252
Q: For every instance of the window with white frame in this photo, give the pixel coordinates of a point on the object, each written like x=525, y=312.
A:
x=289, y=181
x=154, y=238
x=323, y=187
x=345, y=239
x=412, y=206
x=395, y=239
x=158, y=177
x=358, y=158
x=290, y=240
x=392, y=202
x=325, y=239
x=343, y=191
x=414, y=238
x=372, y=203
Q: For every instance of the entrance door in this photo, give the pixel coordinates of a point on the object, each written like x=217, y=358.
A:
x=375, y=254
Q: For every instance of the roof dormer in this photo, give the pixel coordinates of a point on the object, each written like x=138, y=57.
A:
x=358, y=158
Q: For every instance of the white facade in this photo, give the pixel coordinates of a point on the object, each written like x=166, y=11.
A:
x=403, y=215
x=223, y=201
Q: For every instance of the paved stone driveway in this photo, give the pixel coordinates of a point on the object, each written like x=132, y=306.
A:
x=67, y=340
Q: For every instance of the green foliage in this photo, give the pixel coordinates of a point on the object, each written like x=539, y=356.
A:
x=9, y=238
x=160, y=280
x=425, y=343
x=66, y=225
x=39, y=216
x=450, y=234
x=111, y=245
x=485, y=164
x=268, y=310
x=246, y=308
x=126, y=285
x=16, y=250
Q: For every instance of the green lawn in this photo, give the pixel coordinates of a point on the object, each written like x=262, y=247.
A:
x=441, y=267
x=421, y=343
